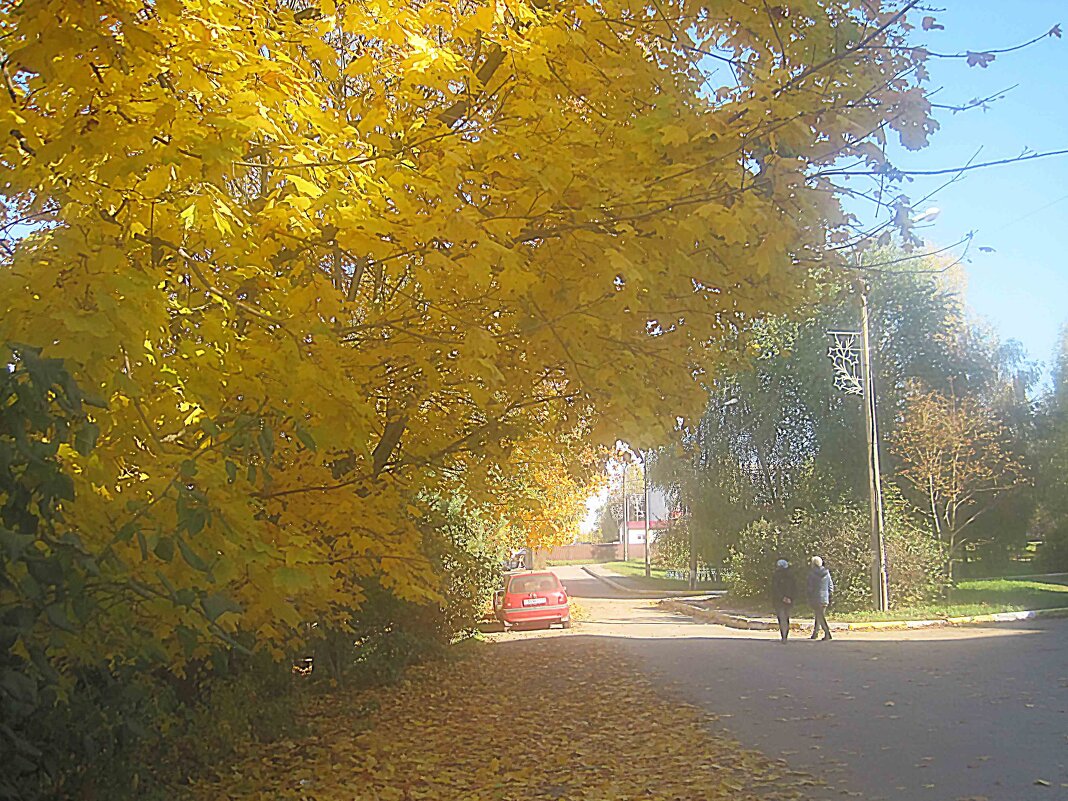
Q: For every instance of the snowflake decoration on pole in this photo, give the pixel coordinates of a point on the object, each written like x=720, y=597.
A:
x=844, y=354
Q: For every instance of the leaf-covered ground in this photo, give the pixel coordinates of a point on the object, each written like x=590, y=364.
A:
x=545, y=718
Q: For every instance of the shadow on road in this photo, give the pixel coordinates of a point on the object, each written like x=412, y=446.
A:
x=910, y=716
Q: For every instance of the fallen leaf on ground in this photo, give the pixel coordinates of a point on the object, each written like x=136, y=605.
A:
x=541, y=719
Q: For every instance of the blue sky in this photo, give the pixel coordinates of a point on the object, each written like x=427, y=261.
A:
x=1020, y=210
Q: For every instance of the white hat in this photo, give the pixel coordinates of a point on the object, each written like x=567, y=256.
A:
x=782, y=564
x=817, y=562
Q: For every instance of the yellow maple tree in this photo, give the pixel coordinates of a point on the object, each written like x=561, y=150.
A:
x=321, y=258
x=543, y=495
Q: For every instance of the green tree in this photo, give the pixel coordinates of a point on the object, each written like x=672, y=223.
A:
x=726, y=470
x=957, y=459
x=777, y=435
x=1051, y=466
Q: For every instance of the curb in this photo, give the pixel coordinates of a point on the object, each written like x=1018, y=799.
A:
x=735, y=621
x=996, y=617
x=615, y=585
x=722, y=618
x=1024, y=577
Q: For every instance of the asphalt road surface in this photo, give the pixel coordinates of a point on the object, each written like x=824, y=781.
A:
x=974, y=713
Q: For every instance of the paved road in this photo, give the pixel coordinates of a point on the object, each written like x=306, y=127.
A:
x=938, y=714
x=582, y=585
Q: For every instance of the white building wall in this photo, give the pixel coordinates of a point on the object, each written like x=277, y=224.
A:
x=660, y=511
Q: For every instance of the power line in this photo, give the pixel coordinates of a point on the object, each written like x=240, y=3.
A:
x=1032, y=213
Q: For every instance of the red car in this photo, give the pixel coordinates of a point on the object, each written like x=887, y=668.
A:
x=532, y=598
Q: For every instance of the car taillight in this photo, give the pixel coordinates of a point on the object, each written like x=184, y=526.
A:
x=561, y=598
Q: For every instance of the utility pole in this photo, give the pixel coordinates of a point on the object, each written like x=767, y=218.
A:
x=844, y=356
x=879, y=585
x=645, y=490
x=626, y=517
x=850, y=354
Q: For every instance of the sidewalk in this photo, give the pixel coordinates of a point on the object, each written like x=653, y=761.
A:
x=628, y=584
x=739, y=620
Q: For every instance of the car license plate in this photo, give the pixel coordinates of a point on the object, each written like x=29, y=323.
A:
x=534, y=602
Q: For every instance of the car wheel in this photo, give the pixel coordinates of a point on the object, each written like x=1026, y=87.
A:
x=565, y=623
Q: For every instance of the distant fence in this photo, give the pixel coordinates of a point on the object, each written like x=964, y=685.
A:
x=704, y=573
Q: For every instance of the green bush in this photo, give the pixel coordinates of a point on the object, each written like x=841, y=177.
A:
x=71, y=727
x=134, y=726
x=386, y=634
x=134, y=732
x=841, y=535
x=672, y=547
x=1052, y=553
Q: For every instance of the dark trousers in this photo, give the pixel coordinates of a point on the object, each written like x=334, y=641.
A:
x=820, y=611
x=782, y=611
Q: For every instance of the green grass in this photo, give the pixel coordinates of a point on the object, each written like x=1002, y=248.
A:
x=980, y=597
x=1031, y=594
x=634, y=572
x=929, y=612
x=973, y=597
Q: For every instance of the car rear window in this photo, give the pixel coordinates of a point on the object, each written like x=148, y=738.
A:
x=546, y=582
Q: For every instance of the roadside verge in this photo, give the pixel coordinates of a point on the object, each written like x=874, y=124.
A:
x=616, y=584
x=735, y=620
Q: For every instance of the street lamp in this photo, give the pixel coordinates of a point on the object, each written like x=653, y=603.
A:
x=644, y=456
x=880, y=584
x=626, y=456
x=626, y=514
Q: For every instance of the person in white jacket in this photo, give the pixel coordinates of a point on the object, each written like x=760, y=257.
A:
x=820, y=589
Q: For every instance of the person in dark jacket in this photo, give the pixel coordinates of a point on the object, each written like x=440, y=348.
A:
x=820, y=589
x=783, y=592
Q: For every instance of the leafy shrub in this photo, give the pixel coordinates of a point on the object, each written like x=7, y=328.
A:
x=74, y=723
x=386, y=633
x=44, y=570
x=915, y=561
x=841, y=535
x=70, y=726
x=1052, y=554
x=130, y=734
x=381, y=638
x=462, y=550
x=671, y=548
